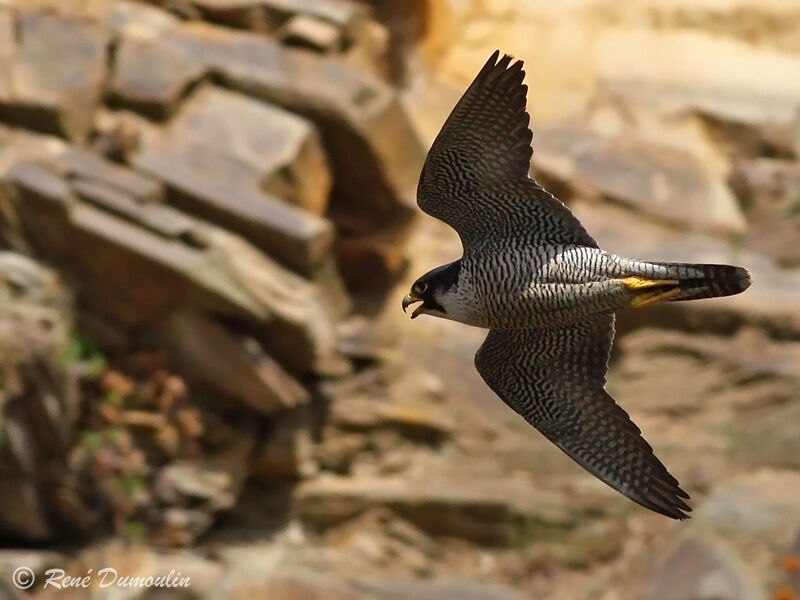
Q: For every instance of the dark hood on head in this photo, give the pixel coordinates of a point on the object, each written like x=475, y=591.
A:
x=442, y=278
x=439, y=279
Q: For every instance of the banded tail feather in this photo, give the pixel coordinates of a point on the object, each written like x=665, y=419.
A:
x=675, y=282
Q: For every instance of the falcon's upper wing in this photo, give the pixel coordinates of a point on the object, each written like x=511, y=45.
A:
x=475, y=177
x=555, y=378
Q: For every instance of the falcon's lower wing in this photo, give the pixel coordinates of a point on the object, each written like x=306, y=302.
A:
x=555, y=379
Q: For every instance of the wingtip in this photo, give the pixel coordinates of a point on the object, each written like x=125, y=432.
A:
x=667, y=502
x=502, y=72
x=496, y=60
x=681, y=514
x=674, y=510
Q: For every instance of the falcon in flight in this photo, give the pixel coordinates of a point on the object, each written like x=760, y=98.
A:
x=533, y=276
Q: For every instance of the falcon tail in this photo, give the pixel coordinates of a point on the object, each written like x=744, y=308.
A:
x=672, y=282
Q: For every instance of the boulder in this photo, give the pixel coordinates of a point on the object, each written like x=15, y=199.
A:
x=371, y=261
x=700, y=567
x=411, y=417
x=152, y=77
x=214, y=481
x=297, y=325
x=195, y=490
x=233, y=365
x=282, y=151
x=55, y=77
x=406, y=25
x=308, y=32
x=130, y=18
x=218, y=155
x=244, y=14
x=83, y=167
x=760, y=505
x=40, y=405
x=35, y=308
x=662, y=182
x=84, y=9
x=771, y=24
x=369, y=50
x=715, y=365
x=344, y=13
x=292, y=236
x=18, y=145
x=287, y=454
x=769, y=191
x=767, y=187
x=118, y=134
x=766, y=436
x=186, y=262
x=491, y=511
x=374, y=152
x=359, y=339
x=682, y=69
x=777, y=240
x=268, y=15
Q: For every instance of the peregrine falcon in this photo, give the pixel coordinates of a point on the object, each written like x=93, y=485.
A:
x=533, y=276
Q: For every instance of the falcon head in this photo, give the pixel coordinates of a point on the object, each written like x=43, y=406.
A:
x=437, y=292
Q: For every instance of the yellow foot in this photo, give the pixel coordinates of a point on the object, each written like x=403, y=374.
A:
x=637, y=283
x=655, y=296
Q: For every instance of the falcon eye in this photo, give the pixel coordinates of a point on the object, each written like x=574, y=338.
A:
x=421, y=288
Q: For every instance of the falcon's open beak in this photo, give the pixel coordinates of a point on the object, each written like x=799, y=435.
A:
x=410, y=299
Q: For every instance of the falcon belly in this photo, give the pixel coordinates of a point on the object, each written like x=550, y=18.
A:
x=533, y=276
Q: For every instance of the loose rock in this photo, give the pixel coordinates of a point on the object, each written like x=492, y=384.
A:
x=700, y=568
x=717, y=82
x=282, y=150
x=152, y=77
x=307, y=32
x=288, y=452
x=368, y=136
x=233, y=365
x=659, y=181
x=484, y=511
x=179, y=256
x=56, y=76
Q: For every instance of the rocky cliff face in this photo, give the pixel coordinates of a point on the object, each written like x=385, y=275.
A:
x=207, y=221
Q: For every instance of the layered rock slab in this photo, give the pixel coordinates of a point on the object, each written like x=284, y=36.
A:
x=157, y=260
x=54, y=72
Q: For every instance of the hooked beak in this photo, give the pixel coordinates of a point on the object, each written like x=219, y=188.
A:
x=410, y=299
